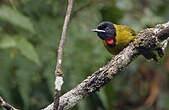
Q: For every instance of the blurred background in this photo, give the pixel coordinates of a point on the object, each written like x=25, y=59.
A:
x=29, y=36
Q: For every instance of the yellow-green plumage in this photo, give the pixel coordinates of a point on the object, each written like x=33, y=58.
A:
x=124, y=35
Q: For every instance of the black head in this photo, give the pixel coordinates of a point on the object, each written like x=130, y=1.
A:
x=105, y=30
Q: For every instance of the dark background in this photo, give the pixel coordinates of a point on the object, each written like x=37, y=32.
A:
x=29, y=36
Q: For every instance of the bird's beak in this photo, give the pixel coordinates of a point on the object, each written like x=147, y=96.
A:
x=97, y=30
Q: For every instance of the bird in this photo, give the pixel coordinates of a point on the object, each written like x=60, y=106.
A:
x=115, y=37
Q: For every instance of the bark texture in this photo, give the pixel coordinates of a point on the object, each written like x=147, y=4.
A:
x=147, y=41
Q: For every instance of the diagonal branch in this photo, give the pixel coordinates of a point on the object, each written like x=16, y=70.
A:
x=149, y=40
x=58, y=71
x=6, y=105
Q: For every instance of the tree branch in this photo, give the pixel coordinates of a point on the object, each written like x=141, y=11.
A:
x=58, y=71
x=148, y=40
x=6, y=105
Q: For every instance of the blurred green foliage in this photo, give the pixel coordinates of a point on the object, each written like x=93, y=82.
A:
x=29, y=36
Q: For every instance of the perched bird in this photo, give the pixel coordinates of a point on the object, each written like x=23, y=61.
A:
x=115, y=37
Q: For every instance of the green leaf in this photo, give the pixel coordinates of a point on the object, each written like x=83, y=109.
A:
x=82, y=105
x=15, y=18
x=7, y=42
x=5, y=74
x=28, y=50
x=49, y=75
x=24, y=79
x=102, y=96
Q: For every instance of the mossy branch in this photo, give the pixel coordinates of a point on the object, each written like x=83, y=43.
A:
x=147, y=41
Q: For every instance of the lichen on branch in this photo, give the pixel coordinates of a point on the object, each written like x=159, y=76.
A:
x=147, y=41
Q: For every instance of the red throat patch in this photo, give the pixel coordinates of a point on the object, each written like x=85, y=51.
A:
x=109, y=41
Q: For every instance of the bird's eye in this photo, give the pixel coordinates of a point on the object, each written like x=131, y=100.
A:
x=107, y=29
